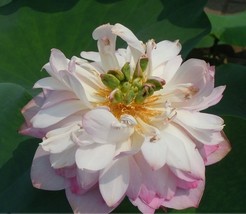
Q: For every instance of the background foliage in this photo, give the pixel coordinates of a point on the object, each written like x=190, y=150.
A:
x=29, y=29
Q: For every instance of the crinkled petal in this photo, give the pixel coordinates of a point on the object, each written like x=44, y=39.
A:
x=58, y=140
x=114, y=181
x=104, y=127
x=95, y=156
x=63, y=159
x=43, y=176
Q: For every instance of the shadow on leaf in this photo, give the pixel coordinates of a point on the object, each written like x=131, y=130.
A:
x=46, y=6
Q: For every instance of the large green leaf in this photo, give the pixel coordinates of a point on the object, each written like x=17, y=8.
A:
x=16, y=153
x=29, y=29
x=13, y=98
x=229, y=29
x=233, y=102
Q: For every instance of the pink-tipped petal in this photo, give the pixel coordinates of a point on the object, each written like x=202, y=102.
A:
x=43, y=175
x=87, y=178
x=185, y=198
x=89, y=202
x=217, y=152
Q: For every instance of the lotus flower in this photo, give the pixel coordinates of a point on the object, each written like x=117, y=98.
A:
x=125, y=122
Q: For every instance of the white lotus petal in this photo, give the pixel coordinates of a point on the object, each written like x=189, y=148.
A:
x=104, y=127
x=49, y=116
x=43, y=175
x=154, y=152
x=114, y=181
x=94, y=156
x=63, y=159
x=87, y=178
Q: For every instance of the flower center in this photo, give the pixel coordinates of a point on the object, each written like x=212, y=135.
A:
x=131, y=94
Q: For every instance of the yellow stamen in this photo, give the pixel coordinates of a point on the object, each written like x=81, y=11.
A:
x=143, y=111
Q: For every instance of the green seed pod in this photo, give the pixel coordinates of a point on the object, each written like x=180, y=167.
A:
x=143, y=62
x=117, y=73
x=129, y=97
x=126, y=70
x=157, y=84
x=116, y=96
x=125, y=87
x=141, y=96
x=141, y=67
x=110, y=81
x=137, y=82
x=149, y=88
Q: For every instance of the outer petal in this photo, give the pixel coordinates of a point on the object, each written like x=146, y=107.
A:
x=213, y=154
x=49, y=116
x=182, y=152
x=201, y=120
x=159, y=183
x=95, y=156
x=50, y=83
x=58, y=60
x=90, y=202
x=31, y=108
x=114, y=181
x=205, y=128
x=43, y=175
x=186, y=198
x=210, y=100
x=143, y=207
